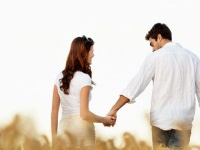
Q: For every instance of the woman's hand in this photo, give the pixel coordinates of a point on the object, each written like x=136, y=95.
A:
x=109, y=120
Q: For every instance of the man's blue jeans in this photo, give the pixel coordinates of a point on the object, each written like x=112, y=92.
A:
x=173, y=139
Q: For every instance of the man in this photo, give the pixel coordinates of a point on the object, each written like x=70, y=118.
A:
x=175, y=72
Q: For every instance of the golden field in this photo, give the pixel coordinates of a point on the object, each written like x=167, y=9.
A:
x=20, y=134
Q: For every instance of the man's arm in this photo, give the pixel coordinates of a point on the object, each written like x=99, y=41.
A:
x=120, y=103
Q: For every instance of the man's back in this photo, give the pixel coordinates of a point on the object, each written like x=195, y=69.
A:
x=173, y=97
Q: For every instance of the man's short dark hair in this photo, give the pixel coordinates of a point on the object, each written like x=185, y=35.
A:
x=161, y=29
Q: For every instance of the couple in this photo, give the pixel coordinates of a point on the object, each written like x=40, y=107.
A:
x=174, y=70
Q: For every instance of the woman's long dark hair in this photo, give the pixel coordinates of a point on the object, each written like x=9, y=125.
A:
x=77, y=60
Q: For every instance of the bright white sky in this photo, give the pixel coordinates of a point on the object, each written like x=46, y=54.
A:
x=35, y=37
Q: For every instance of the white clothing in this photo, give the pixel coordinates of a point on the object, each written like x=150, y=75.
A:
x=82, y=133
x=175, y=73
x=71, y=103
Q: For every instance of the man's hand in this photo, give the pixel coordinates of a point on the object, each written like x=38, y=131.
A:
x=113, y=115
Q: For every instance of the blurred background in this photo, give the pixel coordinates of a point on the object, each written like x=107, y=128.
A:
x=35, y=37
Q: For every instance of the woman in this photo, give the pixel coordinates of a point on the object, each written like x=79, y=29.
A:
x=72, y=90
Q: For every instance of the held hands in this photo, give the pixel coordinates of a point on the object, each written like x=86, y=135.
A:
x=112, y=117
x=113, y=112
x=109, y=121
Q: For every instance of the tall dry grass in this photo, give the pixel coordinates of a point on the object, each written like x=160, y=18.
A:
x=20, y=134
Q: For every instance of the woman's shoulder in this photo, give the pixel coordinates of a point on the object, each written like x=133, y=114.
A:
x=82, y=78
x=81, y=74
x=58, y=77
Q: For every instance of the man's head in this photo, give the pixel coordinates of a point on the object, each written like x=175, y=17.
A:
x=158, y=36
